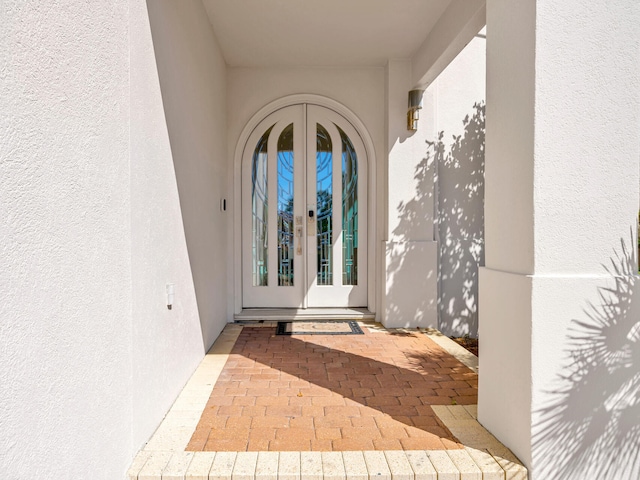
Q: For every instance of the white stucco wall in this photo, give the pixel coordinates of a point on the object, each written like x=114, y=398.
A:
x=585, y=200
x=178, y=147
x=435, y=190
x=108, y=191
x=413, y=249
x=361, y=90
x=504, y=397
x=562, y=196
x=65, y=236
x=193, y=82
x=409, y=297
x=459, y=95
x=456, y=27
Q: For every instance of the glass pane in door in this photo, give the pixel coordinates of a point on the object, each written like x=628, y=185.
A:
x=349, y=211
x=259, y=209
x=324, y=205
x=285, y=207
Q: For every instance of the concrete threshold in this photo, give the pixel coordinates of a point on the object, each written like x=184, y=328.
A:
x=290, y=314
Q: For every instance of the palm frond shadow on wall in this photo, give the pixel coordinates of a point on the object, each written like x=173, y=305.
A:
x=590, y=426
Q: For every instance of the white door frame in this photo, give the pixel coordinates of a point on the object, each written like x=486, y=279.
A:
x=372, y=244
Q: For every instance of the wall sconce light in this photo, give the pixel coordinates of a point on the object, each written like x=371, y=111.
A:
x=415, y=99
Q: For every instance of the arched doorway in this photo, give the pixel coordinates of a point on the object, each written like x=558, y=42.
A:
x=304, y=211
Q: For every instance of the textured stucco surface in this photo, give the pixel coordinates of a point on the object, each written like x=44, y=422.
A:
x=458, y=149
x=410, y=178
x=409, y=294
x=586, y=196
x=177, y=145
x=65, y=240
x=505, y=332
x=435, y=190
x=562, y=196
x=93, y=225
x=510, y=91
x=192, y=75
x=455, y=28
x=112, y=164
x=586, y=182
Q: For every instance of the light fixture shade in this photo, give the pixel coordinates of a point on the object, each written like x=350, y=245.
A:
x=415, y=99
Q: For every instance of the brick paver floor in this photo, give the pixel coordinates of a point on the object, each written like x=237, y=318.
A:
x=333, y=392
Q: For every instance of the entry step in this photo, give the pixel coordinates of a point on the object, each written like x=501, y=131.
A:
x=289, y=314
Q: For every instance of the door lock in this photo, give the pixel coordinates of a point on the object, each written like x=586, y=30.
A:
x=311, y=221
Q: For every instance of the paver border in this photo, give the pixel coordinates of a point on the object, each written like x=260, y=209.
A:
x=463, y=355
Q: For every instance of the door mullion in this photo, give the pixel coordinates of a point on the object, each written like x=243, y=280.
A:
x=272, y=219
x=312, y=267
x=301, y=192
x=337, y=204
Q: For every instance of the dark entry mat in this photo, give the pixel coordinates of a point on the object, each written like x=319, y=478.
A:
x=318, y=328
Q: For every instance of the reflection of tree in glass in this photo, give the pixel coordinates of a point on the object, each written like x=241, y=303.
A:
x=285, y=167
x=260, y=210
x=288, y=208
x=324, y=205
x=324, y=209
x=325, y=202
x=349, y=211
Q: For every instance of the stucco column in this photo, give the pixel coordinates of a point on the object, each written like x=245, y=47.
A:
x=409, y=294
x=559, y=315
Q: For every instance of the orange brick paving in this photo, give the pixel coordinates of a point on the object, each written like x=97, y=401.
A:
x=333, y=392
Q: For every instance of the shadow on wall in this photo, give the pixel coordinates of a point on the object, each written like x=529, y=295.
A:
x=590, y=427
x=192, y=82
x=410, y=280
x=460, y=208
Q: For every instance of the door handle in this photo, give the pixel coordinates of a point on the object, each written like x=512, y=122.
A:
x=299, y=235
x=311, y=213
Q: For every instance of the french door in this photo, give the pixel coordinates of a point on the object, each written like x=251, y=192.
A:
x=304, y=211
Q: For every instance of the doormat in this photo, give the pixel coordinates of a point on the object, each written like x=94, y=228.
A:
x=318, y=328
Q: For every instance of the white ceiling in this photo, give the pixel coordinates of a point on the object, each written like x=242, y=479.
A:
x=320, y=32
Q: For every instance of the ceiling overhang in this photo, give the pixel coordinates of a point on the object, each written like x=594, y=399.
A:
x=340, y=33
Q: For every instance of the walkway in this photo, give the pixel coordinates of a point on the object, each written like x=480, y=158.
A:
x=385, y=403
